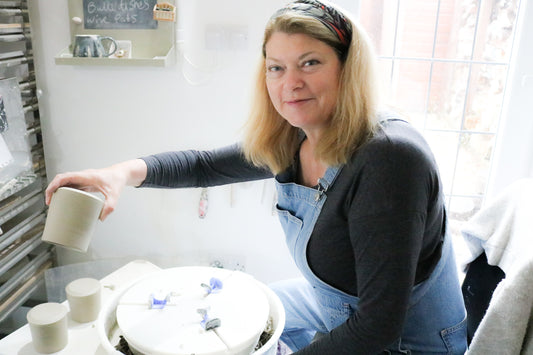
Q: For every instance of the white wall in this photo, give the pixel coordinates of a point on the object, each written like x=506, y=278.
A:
x=94, y=116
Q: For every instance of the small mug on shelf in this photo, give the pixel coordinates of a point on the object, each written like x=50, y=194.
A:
x=93, y=46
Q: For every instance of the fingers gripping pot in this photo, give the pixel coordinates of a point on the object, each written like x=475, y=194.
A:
x=72, y=218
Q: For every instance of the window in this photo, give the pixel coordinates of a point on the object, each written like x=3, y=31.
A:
x=445, y=64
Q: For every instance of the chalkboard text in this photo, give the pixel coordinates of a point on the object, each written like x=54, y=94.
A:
x=119, y=14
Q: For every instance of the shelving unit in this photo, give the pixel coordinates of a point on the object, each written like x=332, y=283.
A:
x=23, y=257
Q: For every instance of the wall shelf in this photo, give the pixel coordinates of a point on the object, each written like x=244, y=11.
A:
x=65, y=58
x=150, y=46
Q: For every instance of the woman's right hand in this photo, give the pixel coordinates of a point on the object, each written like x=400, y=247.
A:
x=109, y=181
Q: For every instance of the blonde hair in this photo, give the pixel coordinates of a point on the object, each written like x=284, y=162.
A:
x=269, y=140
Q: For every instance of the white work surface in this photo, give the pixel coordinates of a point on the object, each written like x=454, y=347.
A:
x=82, y=337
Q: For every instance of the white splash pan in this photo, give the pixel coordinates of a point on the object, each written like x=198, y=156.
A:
x=109, y=332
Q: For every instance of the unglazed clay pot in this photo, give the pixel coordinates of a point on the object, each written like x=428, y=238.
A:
x=48, y=327
x=71, y=219
x=84, y=299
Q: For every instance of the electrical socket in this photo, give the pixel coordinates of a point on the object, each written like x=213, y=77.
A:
x=222, y=37
x=230, y=262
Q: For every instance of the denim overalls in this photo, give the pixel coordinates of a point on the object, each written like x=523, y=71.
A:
x=436, y=319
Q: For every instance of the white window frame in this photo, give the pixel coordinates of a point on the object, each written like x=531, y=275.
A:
x=513, y=155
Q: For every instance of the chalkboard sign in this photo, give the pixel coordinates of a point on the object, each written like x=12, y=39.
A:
x=119, y=14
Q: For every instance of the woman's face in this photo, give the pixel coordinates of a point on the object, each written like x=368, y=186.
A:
x=302, y=78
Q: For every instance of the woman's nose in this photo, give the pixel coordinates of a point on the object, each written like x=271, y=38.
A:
x=293, y=80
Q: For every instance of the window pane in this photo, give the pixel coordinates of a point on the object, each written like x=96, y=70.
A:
x=410, y=85
x=447, y=95
x=485, y=97
x=497, y=20
x=473, y=164
x=444, y=147
x=456, y=29
x=460, y=210
x=385, y=76
x=463, y=208
x=416, y=28
x=378, y=18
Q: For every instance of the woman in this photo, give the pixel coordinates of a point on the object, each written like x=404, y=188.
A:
x=359, y=195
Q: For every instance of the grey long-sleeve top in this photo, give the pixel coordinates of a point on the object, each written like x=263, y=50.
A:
x=379, y=232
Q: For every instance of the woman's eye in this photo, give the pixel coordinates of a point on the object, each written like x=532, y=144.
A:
x=274, y=71
x=311, y=62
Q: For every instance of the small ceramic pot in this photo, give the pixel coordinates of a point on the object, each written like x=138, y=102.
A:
x=72, y=218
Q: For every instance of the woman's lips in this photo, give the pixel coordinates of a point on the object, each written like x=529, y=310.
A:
x=297, y=102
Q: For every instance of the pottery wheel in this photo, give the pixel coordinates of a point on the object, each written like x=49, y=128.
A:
x=176, y=311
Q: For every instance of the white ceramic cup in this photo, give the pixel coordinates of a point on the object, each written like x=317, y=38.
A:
x=48, y=327
x=71, y=219
x=84, y=299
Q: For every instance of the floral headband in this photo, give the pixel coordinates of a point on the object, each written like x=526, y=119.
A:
x=330, y=17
